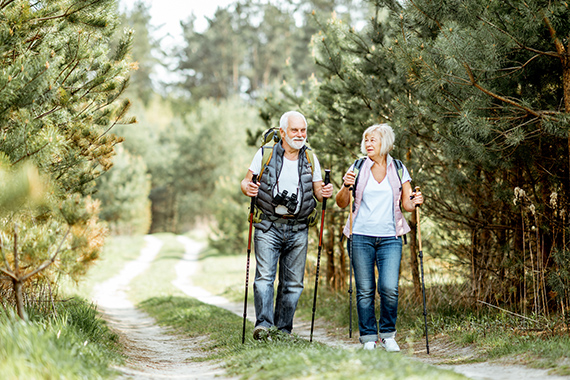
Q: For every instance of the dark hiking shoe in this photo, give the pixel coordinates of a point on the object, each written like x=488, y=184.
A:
x=261, y=333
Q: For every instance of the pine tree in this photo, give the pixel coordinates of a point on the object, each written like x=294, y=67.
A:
x=59, y=98
x=477, y=93
x=59, y=87
x=143, y=45
x=491, y=80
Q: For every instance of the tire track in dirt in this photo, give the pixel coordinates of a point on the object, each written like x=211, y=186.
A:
x=188, y=266
x=152, y=352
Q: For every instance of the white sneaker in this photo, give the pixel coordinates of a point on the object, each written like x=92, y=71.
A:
x=390, y=345
x=369, y=345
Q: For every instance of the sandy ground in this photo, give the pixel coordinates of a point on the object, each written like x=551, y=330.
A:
x=154, y=354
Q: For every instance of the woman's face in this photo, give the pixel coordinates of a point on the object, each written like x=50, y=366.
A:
x=372, y=144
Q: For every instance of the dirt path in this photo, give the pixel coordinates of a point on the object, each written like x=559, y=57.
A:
x=154, y=354
x=188, y=266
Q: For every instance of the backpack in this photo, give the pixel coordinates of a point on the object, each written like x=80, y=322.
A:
x=358, y=165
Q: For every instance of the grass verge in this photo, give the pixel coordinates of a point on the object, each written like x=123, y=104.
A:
x=72, y=344
x=283, y=357
x=490, y=334
x=541, y=343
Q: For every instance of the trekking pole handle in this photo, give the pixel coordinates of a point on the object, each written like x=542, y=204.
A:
x=254, y=180
x=416, y=189
x=327, y=181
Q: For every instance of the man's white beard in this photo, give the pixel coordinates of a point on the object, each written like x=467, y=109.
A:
x=295, y=143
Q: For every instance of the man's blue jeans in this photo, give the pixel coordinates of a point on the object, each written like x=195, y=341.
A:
x=285, y=246
x=385, y=253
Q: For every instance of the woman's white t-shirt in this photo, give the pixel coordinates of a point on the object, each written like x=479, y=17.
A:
x=376, y=212
x=288, y=178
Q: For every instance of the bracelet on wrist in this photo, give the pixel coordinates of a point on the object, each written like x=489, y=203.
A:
x=345, y=185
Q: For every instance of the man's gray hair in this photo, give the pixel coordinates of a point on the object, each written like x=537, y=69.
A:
x=386, y=134
x=284, y=121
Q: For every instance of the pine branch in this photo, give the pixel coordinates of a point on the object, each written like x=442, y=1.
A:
x=520, y=44
x=497, y=96
x=30, y=154
x=3, y=250
x=9, y=274
x=5, y=3
x=48, y=262
x=124, y=110
x=68, y=12
x=47, y=113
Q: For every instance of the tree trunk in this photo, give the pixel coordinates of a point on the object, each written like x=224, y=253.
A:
x=17, y=285
x=566, y=86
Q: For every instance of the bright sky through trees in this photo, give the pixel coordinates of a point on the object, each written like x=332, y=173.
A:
x=167, y=14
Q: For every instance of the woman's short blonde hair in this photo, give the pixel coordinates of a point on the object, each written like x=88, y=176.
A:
x=386, y=135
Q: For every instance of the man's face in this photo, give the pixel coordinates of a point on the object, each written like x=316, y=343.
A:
x=296, y=134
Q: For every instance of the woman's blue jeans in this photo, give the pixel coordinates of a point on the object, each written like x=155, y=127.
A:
x=384, y=253
x=286, y=245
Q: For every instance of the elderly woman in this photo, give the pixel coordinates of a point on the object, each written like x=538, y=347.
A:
x=377, y=229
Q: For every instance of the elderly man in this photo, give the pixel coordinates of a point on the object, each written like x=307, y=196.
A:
x=285, y=198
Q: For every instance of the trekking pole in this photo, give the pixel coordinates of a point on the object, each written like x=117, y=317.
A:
x=252, y=205
x=327, y=180
x=422, y=271
x=350, y=270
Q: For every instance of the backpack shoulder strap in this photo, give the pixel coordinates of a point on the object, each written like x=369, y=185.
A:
x=356, y=169
x=399, y=170
x=309, y=154
x=267, y=153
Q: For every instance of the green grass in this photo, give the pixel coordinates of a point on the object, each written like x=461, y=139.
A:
x=281, y=358
x=224, y=275
x=503, y=337
x=74, y=344
x=492, y=334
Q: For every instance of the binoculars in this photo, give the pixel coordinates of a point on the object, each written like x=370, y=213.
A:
x=289, y=201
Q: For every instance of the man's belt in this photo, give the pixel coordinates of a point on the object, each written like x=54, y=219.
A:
x=284, y=219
